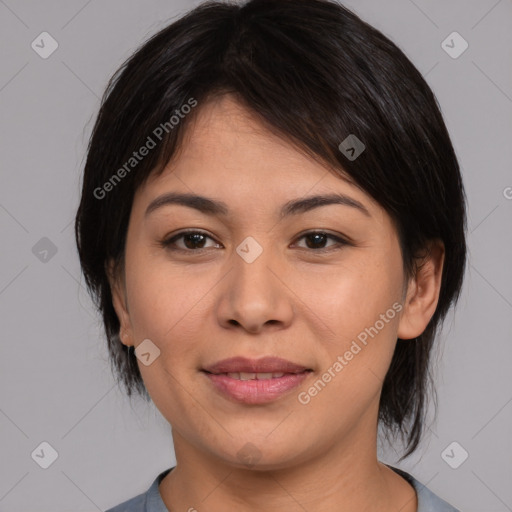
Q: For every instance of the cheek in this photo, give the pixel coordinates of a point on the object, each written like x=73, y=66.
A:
x=152, y=291
x=351, y=297
x=358, y=305
x=167, y=303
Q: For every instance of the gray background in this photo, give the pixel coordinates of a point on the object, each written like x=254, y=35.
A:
x=55, y=381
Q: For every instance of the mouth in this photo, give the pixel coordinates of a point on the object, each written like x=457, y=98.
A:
x=255, y=381
x=255, y=388
x=256, y=375
x=242, y=368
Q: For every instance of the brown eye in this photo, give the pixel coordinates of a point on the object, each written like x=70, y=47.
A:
x=193, y=241
x=316, y=241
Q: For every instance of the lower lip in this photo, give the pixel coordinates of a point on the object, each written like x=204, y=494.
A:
x=256, y=391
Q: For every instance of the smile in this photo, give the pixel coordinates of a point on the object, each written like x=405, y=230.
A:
x=255, y=388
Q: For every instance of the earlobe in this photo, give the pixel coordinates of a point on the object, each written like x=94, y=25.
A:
x=119, y=302
x=422, y=292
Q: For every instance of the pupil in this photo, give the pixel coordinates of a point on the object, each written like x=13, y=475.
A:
x=318, y=237
x=193, y=239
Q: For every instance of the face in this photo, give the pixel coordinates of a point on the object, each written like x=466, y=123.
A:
x=321, y=287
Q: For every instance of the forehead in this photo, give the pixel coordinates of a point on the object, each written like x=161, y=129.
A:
x=226, y=135
x=228, y=151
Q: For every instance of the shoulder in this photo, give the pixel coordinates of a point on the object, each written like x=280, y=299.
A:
x=149, y=501
x=427, y=500
x=136, y=504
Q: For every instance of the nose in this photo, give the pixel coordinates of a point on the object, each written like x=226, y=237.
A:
x=255, y=296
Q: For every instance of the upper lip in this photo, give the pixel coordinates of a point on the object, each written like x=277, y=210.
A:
x=263, y=365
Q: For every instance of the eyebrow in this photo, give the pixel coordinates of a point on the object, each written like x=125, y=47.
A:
x=213, y=207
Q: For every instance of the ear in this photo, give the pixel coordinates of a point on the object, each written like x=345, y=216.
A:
x=120, y=303
x=422, y=292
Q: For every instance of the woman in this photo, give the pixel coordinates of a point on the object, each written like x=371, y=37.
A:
x=264, y=227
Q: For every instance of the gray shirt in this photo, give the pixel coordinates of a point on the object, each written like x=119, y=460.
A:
x=151, y=501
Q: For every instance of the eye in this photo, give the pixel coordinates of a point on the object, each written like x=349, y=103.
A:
x=194, y=241
x=315, y=240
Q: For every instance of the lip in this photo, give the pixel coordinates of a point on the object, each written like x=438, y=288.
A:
x=266, y=364
x=255, y=391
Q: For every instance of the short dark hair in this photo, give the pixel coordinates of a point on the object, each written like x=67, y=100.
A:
x=313, y=72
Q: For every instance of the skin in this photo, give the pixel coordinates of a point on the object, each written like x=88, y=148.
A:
x=292, y=302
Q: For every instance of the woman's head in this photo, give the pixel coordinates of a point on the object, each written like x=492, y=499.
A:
x=250, y=105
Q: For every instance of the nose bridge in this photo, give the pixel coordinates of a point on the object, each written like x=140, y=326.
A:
x=255, y=296
x=251, y=271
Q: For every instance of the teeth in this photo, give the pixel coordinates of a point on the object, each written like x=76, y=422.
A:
x=255, y=376
x=246, y=376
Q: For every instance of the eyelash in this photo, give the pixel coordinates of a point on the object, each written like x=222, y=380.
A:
x=167, y=242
